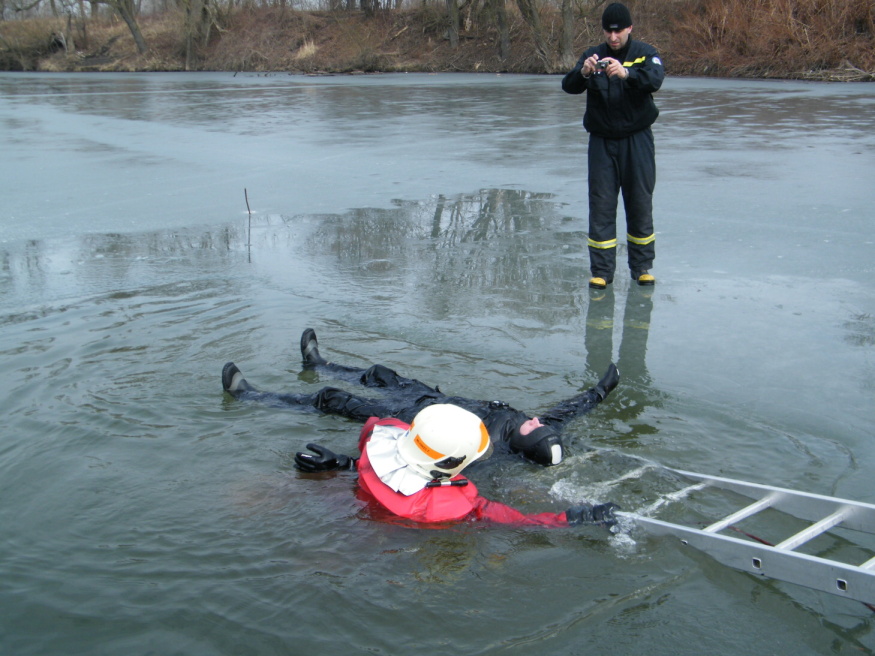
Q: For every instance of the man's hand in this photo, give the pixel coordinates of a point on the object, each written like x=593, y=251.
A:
x=324, y=460
x=589, y=65
x=613, y=68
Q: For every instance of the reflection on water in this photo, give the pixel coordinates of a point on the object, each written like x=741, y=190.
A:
x=46, y=271
x=637, y=394
x=464, y=255
x=498, y=260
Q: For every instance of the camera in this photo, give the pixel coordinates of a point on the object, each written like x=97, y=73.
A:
x=602, y=64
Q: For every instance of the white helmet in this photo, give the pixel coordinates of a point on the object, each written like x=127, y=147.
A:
x=442, y=440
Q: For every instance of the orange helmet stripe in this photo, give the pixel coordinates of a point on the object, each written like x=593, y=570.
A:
x=427, y=450
x=484, y=438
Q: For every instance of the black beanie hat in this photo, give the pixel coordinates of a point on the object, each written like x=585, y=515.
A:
x=616, y=17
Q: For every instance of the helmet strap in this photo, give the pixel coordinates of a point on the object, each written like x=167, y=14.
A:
x=457, y=483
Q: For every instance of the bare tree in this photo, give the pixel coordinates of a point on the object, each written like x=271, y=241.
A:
x=127, y=10
x=453, y=29
x=529, y=11
x=499, y=10
x=566, y=39
x=25, y=7
x=200, y=16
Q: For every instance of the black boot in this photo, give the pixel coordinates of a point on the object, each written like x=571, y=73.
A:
x=233, y=381
x=310, y=349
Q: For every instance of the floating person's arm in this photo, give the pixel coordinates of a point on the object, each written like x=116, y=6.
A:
x=585, y=402
x=600, y=514
x=324, y=460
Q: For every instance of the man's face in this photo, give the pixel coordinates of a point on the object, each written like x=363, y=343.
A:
x=617, y=39
x=528, y=426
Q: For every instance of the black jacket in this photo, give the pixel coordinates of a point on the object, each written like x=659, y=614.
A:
x=618, y=108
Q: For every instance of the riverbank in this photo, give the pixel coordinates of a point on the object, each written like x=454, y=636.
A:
x=700, y=40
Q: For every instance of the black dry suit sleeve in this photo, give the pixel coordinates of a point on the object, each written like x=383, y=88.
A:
x=324, y=460
x=583, y=403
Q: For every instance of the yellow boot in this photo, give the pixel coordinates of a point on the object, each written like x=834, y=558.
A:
x=644, y=278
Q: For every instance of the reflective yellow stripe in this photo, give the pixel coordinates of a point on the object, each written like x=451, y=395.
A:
x=640, y=60
x=603, y=245
x=641, y=241
x=601, y=324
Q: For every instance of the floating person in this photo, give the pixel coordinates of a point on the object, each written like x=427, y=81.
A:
x=413, y=470
x=537, y=438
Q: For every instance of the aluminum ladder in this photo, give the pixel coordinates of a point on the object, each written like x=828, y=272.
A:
x=781, y=561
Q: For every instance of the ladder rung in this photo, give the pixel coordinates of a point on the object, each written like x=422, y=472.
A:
x=752, y=509
x=812, y=531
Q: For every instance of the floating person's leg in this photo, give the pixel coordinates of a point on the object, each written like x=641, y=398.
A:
x=237, y=386
x=375, y=376
x=333, y=401
x=314, y=360
x=233, y=381
x=310, y=348
x=328, y=400
x=381, y=376
x=585, y=402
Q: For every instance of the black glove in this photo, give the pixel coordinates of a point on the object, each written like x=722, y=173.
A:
x=324, y=460
x=589, y=514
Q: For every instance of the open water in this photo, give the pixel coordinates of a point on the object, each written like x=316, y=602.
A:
x=437, y=224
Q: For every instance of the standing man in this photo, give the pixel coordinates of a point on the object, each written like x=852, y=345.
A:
x=621, y=75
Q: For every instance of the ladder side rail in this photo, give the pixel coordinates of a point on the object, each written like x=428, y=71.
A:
x=804, y=505
x=848, y=581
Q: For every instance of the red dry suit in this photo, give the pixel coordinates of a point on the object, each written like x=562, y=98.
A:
x=439, y=504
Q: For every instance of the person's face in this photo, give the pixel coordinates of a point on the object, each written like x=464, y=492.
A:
x=617, y=39
x=528, y=426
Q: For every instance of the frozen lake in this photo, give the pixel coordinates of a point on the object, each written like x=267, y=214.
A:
x=436, y=224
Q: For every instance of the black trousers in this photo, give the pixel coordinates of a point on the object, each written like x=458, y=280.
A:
x=615, y=165
x=407, y=396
